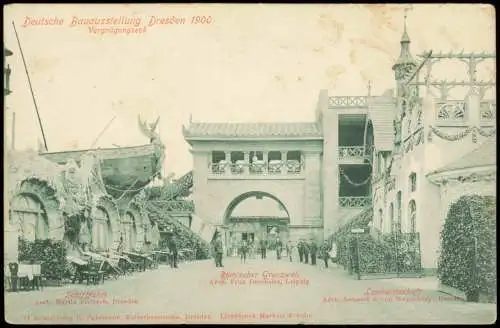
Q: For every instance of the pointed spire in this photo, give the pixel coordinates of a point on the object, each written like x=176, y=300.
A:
x=405, y=38
x=405, y=56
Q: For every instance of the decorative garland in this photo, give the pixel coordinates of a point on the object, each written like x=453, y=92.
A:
x=356, y=184
x=474, y=130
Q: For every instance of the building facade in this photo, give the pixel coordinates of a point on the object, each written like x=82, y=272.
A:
x=385, y=152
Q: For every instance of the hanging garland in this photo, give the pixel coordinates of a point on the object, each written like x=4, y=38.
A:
x=474, y=130
x=356, y=184
x=446, y=136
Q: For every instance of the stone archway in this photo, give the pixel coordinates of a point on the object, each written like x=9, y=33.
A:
x=254, y=228
x=38, y=196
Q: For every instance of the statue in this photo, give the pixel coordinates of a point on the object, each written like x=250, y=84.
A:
x=397, y=130
x=148, y=129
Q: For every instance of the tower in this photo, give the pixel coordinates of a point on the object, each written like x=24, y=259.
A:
x=403, y=69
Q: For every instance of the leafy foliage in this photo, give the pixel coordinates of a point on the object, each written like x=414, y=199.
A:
x=51, y=254
x=186, y=239
x=468, y=247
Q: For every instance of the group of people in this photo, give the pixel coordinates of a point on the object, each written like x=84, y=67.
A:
x=307, y=250
x=310, y=249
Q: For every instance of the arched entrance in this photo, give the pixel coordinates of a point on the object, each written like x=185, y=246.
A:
x=135, y=224
x=254, y=216
x=28, y=214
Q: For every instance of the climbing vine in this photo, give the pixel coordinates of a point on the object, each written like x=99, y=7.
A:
x=468, y=247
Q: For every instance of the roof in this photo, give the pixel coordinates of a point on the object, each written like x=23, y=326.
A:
x=381, y=112
x=300, y=130
x=28, y=164
x=484, y=155
x=103, y=153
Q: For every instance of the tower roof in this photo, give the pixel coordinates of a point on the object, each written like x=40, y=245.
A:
x=405, y=56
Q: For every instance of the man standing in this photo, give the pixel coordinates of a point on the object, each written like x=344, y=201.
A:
x=263, y=247
x=305, y=248
x=172, y=247
x=289, y=248
x=218, y=250
x=313, y=250
x=279, y=248
x=325, y=252
x=300, y=247
x=243, y=251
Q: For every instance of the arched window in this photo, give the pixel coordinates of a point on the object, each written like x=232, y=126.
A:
x=412, y=216
x=399, y=211
x=129, y=230
x=102, y=234
x=391, y=216
x=412, y=181
x=28, y=213
x=381, y=219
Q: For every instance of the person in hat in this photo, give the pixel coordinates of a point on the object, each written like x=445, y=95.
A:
x=172, y=247
x=313, y=250
x=218, y=250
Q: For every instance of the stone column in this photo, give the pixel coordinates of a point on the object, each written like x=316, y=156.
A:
x=330, y=167
x=473, y=110
x=246, y=158
x=283, y=161
x=312, y=201
x=228, y=162
x=265, y=157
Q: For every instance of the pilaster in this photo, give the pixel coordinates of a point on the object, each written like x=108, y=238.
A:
x=312, y=194
x=330, y=171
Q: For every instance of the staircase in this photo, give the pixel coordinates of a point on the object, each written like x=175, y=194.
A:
x=180, y=210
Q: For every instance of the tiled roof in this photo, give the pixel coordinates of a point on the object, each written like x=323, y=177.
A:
x=102, y=153
x=253, y=130
x=381, y=112
x=484, y=155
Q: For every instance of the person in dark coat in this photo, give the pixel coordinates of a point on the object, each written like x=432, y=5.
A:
x=279, y=248
x=324, y=252
x=313, y=249
x=172, y=247
x=243, y=251
x=300, y=248
x=263, y=248
x=218, y=250
x=305, y=249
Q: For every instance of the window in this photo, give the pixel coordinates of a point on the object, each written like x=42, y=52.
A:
x=413, y=182
x=381, y=219
x=399, y=213
x=391, y=216
x=412, y=215
x=129, y=229
x=28, y=213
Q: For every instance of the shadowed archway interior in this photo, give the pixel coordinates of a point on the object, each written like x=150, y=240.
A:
x=257, y=194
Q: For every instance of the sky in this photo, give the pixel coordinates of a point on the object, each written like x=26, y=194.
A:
x=252, y=63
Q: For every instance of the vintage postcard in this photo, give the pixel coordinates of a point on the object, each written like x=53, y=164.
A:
x=250, y=163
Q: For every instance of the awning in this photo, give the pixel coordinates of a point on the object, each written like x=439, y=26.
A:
x=76, y=260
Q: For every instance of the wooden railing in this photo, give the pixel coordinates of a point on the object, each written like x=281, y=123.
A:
x=351, y=152
x=347, y=101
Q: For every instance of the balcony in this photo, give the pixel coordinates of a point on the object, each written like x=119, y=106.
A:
x=352, y=153
x=257, y=168
x=355, y=202
x=348, y=102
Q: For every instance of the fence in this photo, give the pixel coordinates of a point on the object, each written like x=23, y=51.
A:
x=395, y=254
